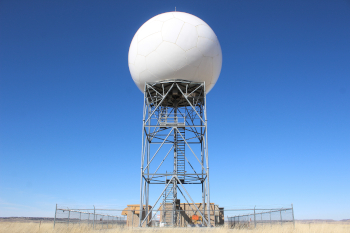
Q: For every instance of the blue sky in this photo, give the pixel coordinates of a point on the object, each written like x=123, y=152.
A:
x=71, y=116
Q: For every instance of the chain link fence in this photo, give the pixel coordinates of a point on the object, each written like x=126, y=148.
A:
x=130, y=217
x=94, y=218
x=254, y=217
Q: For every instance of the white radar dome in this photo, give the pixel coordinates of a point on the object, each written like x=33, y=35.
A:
x=175, y=45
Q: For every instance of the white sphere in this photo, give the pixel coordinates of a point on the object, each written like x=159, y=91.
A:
x=175, y=45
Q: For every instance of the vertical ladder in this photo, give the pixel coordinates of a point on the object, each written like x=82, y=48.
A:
x=168, y=200
x=180, y=149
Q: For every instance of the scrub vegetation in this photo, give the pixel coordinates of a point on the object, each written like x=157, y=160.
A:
x=47, y=227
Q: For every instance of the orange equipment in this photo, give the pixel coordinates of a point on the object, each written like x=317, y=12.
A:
x=196, y=219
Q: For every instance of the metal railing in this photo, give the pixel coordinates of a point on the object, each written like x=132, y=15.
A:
x=170, y=119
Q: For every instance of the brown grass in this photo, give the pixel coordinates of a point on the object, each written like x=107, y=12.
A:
x=23, y=227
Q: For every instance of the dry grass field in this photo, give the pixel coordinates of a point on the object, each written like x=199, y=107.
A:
x=25, y=227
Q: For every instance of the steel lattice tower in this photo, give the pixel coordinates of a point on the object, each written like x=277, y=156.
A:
x=174, y=115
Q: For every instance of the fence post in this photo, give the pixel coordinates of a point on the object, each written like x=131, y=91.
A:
x=68, y=216
x=270, y=218
x=107, y=220
x=54, y=221
x=79, y=218
x=281, y=216
x=293, y=216
x=93, y=222
x=132, y=219
x=254, y=218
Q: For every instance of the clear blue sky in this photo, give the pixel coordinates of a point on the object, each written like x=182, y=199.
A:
x=71, y=116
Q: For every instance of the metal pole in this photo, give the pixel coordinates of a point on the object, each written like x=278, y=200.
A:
x=145, y=197
x=148, y=159
x=254, y=218
x=206, y=154
x=68, y=216
x=79, y=218
x=94, y=219
x=293, y=216
x=163, y=206
x=142, y=154
x=205, y=195
x=174, y=171
x=281, y=216
x=54, y=221
x=202, y=160
x=141, y=196
x=107, y=220
x=147, y=183
x=132, y=219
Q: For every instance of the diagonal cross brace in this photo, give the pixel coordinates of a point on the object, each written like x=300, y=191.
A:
x=155, y=203
x=160, y=102
x=161, y=162
x=191, y=199
x=158, y=149
x=190, y=103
